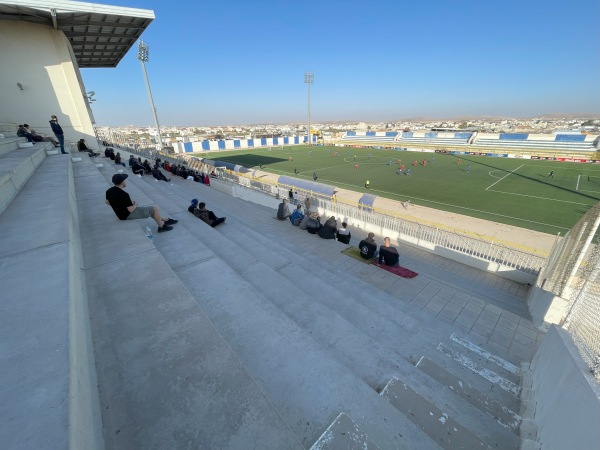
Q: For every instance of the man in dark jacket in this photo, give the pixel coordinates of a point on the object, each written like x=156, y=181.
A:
x=343, y=235
x=207, y=216
x=313, y=224
x=368, y=247
x=328, y=230
x=283, y=212
x=59, y=133
x=388, y=255
x=156, y=173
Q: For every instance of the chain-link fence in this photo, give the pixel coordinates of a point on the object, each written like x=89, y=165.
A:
x=583, y=317
x=573, y=273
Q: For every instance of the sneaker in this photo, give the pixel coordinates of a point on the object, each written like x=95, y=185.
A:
x=165, y=227
x=171, y=221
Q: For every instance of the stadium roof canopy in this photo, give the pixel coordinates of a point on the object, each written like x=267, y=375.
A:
x=100, y=35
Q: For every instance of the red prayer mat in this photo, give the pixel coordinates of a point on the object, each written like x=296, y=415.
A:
x=398, y=270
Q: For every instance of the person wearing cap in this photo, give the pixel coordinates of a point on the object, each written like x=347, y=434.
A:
x=368, y=247
x=59, y=133
x=193, y=205
x=125, y=209
x=388, y=255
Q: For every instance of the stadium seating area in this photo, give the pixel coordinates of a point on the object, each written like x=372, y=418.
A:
x=252, y=335
x=224, y=335
x=562, y=144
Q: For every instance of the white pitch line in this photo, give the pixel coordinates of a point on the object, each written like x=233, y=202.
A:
x=487, y=355
x=489, y=375
x=577, y=187
x=540, y=198
x=498, y=181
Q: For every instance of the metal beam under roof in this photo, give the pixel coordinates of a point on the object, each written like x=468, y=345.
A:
x=107, y=31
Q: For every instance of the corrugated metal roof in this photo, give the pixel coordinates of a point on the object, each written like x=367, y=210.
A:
x=100, y=35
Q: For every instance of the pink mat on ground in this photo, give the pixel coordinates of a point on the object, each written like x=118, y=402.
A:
x=398, y=270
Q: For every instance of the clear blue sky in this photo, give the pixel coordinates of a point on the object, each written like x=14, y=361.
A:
x=242, y=62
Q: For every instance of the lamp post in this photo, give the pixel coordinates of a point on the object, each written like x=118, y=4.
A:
x=308, y=79
x=143, y=52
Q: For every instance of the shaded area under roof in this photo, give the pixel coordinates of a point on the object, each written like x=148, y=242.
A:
x=100, y=35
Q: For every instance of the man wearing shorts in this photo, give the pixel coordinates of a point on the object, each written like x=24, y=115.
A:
x=125, y=209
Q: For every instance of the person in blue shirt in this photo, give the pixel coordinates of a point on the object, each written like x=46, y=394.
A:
x=297, y=216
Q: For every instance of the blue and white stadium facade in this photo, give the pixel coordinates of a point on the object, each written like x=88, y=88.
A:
x=235, y=144
x=560, y=145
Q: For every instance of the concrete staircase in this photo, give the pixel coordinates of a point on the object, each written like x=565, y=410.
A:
x=323, y=334
x=251, y=335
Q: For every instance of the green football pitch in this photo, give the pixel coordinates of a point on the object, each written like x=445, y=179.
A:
x=518, y=192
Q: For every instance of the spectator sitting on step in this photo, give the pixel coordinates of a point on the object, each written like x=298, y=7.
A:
x=107, y=152
x=283, y=211
x=328, y=230
x=118, y=159
x=193, y=205
x=137, y=168
x=131, y=160
x=304, y=221
x=297, y=216
x=388, y=255
x=147, y=167
x=206, y=180
x=313, y=224
x=39, y=138
x=343, y=234
x=84, y=148
x=156, y=173
x=22, y=132
x=125, y=209
x=207, y=216
x=368, y=247
x=111, y=153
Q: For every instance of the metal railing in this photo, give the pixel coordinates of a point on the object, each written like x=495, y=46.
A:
x=420, y=232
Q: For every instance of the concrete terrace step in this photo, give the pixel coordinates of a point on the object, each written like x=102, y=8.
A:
x=47, y=375
x=16, y=167
x=245, y=315
x=167, y=378
x=248, y=237
x=332, y=330
x=436, y=422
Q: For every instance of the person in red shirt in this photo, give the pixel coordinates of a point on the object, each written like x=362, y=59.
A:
x=415, y=163
x=356, y=166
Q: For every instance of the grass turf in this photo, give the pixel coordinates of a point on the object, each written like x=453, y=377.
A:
x=513, y=191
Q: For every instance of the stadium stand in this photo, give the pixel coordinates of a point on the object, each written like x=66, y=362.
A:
x=560, y=144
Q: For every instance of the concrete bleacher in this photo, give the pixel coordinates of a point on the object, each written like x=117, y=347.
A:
x=251, y=335
x=292, y=270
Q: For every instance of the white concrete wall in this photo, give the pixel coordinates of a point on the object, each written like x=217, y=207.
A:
x=41, y=59
x=566, y=396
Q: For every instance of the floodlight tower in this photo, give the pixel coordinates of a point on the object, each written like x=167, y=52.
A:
x=143, y=57
x=308, y=79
